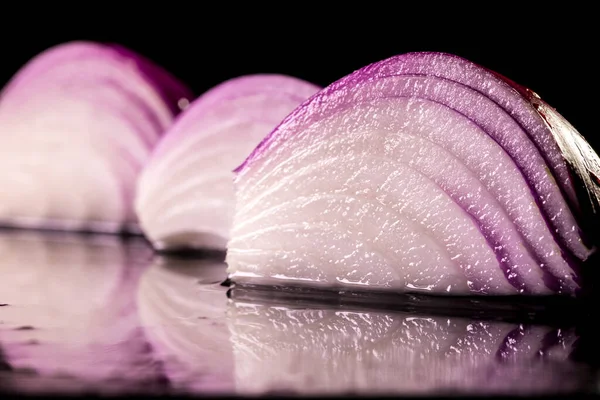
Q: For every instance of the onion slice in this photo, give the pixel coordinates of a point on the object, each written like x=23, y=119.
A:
x=185, y=193
x=77, y=123
x=442, y=147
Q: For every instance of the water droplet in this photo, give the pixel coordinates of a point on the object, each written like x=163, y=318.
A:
x=183, y=103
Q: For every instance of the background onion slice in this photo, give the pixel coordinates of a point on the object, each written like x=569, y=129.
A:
x=370, y=114
x=185, y=193
x=50, y=138
x=262, y=113
x=78, y=101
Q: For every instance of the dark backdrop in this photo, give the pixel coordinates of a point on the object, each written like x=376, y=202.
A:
x=552, y=51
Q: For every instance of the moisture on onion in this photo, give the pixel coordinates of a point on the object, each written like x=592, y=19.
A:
x=185, y=196
x=423, y=172
x=77, y=123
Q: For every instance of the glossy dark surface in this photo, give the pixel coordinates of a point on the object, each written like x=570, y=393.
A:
x=84, y=314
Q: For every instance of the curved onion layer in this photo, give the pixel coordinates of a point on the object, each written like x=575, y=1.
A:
x=76, y=125
x=69, y=311
x=182, y=307
x=185, y=196
x=333, y=351
x=423, y=172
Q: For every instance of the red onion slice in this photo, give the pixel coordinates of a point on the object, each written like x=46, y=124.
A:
x=73, y=102
x=500, y=180
x=495, y=201
x=185, y=193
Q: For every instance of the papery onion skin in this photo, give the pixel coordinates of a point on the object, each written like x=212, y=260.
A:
x=581, y=158
x=552, y=214
x=105, y=103
x=185, y=193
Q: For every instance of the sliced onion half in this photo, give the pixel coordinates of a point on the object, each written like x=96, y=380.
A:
x=185, y=196
x=422, y=172
x=77, y=123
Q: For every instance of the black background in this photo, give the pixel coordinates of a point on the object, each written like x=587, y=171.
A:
x=550, y=50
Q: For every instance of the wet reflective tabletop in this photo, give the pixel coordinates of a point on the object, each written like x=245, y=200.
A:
x=100, y=314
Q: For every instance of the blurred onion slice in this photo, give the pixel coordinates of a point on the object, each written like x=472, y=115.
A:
x=185, y=196
x=77, y=123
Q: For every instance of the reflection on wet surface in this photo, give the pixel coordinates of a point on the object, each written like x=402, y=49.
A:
x=182, y=307
x=85, y=314
x=71, y=320
x=371, y=352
